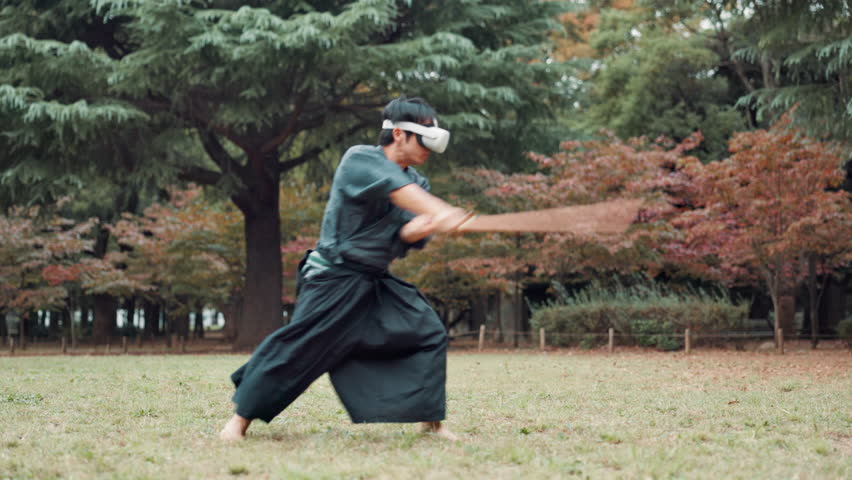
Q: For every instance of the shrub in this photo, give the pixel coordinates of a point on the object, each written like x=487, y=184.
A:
x=844, y=331
x=660, y=334
x=647, y=313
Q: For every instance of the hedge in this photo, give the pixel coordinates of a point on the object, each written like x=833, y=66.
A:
x=646, y=314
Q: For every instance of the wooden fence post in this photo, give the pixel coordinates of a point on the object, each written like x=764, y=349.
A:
x=687, y=341
x=481, y=337
x=541, y=341
x=611, y=343
x=779, y=340
x=109, y=348
x=11, y=345
x=124, y=344
x=64, y=345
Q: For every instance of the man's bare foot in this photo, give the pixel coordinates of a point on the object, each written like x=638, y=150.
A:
x=235, y=429
x=438, y=429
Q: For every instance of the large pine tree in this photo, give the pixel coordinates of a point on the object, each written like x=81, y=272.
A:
x=805, y=53
x=132, y=88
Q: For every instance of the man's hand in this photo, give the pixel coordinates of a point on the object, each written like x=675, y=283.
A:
x=417, y=229
x=422, y=226
x=442, y=217
x=451, y=219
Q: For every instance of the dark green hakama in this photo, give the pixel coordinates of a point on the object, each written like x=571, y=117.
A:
x=381, y=342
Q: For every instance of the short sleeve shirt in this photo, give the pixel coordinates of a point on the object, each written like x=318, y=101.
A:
x=360, y=224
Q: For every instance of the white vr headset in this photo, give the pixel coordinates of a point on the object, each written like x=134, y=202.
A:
x=433, y=138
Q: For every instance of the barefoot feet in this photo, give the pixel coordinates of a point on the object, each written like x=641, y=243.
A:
x=235, y=429
x=439, y=430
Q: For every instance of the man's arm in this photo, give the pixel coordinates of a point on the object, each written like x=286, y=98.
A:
x=417, y=229
x=442, y=217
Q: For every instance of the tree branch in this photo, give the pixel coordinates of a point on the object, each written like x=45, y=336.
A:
x=200, y=175
x=218, y=153
x=290, y=129
x=314, y=152
x=303, y=158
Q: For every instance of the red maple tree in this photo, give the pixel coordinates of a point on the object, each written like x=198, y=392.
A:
x=763, y=211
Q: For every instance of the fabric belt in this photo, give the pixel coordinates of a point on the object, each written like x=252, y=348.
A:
x=315, y=263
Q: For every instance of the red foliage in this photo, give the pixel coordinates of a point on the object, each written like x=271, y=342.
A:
x=762, y=210
x=40, y=255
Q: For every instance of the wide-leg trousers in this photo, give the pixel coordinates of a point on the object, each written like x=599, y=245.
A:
x=379, y=339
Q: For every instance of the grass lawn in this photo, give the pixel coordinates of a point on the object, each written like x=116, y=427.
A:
x=713, y=414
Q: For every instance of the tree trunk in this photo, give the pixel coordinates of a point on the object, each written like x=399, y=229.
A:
x=84, y=316
x=54, y=328
x=152, y=320
x=73, y=331
x=167, y=327
x=516, y=324
x=67, y=318
x=199, y=324
x=785, y=314
x=767, y=68
x=833, y=305
x=181, y=325
x=103, y=327
x=23, y=329
x=478, y=313
x=130, y=306
x=813, y=301
x=262, y=304
x=104, y=306
x=231, y=312
x=29, y=324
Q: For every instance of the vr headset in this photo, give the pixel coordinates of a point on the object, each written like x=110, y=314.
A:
x=433, y=138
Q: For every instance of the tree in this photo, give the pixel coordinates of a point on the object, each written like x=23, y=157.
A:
x=773, y=54
x=662, y=72
x=41, y=259
x=764, y=211
x=189, y=253
x=804, y=52
x=456, y=270
x=261, y=89
x=593, y=171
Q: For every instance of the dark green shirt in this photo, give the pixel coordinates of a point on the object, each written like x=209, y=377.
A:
x=360, y=224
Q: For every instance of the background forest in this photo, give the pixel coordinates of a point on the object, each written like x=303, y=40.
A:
x=164, y=158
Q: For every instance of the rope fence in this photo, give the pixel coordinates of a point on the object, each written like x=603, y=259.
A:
x=170, y=344
x=542, y=339
x=545, y=339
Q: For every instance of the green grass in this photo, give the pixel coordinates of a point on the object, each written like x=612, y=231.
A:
x=521, y=415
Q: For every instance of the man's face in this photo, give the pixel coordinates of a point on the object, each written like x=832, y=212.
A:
x=411, y=152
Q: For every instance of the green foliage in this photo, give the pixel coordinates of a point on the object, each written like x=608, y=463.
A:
x=232, y=95
x=85, y=86
x=649, y=313
x=844, y=330
x=662, y=335
x=658, y=78
x=805, y=50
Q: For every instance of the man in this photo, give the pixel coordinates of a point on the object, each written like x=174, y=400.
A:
x=382, y=344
